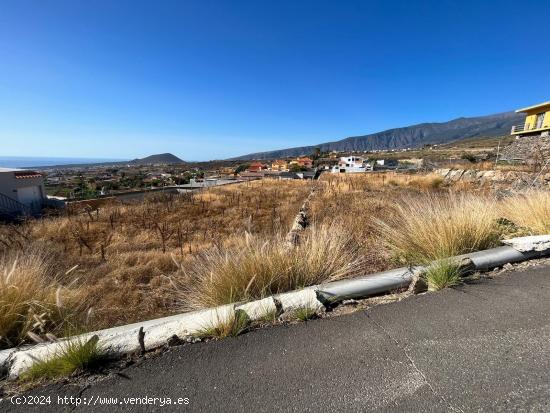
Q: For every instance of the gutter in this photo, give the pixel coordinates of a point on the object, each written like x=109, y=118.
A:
x=124, y=339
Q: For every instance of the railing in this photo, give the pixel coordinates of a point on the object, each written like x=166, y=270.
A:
x=522, y=128
x=13, y=207
x=518, y=128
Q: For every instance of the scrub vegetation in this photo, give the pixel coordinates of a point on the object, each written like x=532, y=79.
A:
x=112, y=264
x=257, y=267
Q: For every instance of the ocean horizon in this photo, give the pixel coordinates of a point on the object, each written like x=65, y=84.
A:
x=38, y=161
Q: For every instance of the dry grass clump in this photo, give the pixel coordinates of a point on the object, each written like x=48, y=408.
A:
x=32, y=300
x=530, y=211
x=434, y=227
x=259, y=267
x=431, y=181
x=343, y=183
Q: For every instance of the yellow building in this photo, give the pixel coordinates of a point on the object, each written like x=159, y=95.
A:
x=279, y=165
x=537, y=121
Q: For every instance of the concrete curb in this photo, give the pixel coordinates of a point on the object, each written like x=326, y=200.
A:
x=124, y=339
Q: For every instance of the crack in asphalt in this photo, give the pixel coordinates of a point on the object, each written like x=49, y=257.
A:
x=413, y=364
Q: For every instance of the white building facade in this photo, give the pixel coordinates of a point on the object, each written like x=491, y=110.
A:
x=351, y=164
x=21, y=191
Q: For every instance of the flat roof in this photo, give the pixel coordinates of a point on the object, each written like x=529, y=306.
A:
x=11, y=170
x=528, y=108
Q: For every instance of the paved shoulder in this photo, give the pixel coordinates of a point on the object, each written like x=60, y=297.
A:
x=476, y=347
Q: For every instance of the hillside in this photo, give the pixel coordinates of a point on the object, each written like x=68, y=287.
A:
x=409, y=137
x=159, y=159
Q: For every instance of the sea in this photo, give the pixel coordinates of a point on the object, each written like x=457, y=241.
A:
x=37, y=162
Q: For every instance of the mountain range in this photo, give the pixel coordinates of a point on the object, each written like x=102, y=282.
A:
x=408, y=137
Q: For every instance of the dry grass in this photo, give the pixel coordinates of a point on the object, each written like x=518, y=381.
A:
x=226, y=244
x=124, y=251
x=258, y=267
x=33, y=300
x=342, y=183
x=435, y=227
x=530, y=211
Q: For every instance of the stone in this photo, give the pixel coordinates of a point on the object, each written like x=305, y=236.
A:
x=530, y=243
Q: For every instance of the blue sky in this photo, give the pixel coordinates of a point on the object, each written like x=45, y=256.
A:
x=213, y=79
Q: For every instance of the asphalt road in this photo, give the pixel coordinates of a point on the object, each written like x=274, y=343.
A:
x=477, y=347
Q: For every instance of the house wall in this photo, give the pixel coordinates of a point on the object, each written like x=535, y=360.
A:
x=531, y=119
x=10, y=186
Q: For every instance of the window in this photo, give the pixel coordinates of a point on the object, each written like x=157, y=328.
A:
x=540, y=120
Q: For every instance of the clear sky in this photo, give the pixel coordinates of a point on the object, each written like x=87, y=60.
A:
x=213, y=79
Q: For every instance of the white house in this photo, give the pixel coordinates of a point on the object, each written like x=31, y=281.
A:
x=21, y=191
x=351, y=164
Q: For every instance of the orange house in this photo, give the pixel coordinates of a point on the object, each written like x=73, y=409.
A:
x=304, y=161
x=256, y=167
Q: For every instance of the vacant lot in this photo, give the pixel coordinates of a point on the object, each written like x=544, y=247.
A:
x=125, y=254
x=94, y=268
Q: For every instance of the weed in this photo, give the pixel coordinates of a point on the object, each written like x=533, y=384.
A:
x=75, y=354
x=442, y=274
x=304, y=313
x=235, y=324
x=269, y=316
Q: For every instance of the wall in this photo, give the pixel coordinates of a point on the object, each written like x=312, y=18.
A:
x=9, y=185
x=496, y=178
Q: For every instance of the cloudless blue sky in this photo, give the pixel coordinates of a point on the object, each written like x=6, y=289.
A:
x=213, y=79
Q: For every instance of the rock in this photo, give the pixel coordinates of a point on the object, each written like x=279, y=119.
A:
x=469, y=175
x=421, y=286
x=530, y=243
x=443, y=172
x=456, y=174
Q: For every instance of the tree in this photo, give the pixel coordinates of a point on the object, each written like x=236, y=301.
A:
x=242, y=167
x=297, y=168
x=316, y=153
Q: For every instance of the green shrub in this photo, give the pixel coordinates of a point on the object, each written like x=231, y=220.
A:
x=75, y=354
x=442, y=274
x=233, y=325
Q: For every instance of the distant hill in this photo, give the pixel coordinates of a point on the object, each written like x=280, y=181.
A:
x=159, y=159
x=408, y=137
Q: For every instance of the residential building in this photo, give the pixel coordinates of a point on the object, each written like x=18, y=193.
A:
x=279, y=165
x=256, y=167
x=305, y=162
x=351, y=164
x=21, y=192
x=537, y=121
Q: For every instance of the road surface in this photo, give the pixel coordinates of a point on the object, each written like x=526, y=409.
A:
x=477, y=347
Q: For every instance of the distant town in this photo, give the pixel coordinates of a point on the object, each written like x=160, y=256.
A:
x=91, y=181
